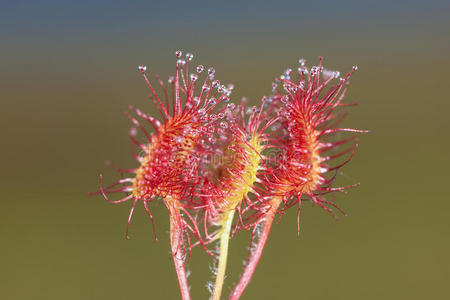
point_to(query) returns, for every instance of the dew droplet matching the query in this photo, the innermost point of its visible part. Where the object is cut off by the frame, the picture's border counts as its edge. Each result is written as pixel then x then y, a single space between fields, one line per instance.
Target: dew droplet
pixel 229 115
pixel 142 69
pixel 230 86
pixel 189 56
pixel 194 77
pixel 178 53
pixel 211 129
pixel 181 62
pixel 171 79
pixel 200 68
pixel 231 106
pixel 212 101
pixel 179 139
pixel 224 125
pixel 302 61
pixel 205 88
pixel 211 71
pixel 215 84
pixel 201 111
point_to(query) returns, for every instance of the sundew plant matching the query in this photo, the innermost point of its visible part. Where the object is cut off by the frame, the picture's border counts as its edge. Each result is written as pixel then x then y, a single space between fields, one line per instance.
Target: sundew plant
pixel 221 167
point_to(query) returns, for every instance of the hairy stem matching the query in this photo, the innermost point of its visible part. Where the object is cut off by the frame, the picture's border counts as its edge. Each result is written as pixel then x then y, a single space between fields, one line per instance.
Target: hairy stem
pixel 222 265
pixel 257 251
pixel 176 243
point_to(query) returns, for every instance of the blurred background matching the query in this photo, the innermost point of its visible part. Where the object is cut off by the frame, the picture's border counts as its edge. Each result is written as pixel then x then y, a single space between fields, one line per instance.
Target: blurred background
pixel 68 70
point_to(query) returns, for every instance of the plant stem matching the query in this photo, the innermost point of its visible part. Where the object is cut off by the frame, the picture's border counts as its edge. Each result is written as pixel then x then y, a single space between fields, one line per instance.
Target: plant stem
pixel 176 243
pixel 257 251
pixel 222 264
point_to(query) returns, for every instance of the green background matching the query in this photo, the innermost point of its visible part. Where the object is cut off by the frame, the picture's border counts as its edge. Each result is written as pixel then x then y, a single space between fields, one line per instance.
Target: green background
pixel 68 71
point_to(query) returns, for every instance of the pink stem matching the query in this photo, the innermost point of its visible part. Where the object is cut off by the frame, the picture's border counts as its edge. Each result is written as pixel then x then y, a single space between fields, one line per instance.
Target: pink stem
pixel 257 252
pixel 176 241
